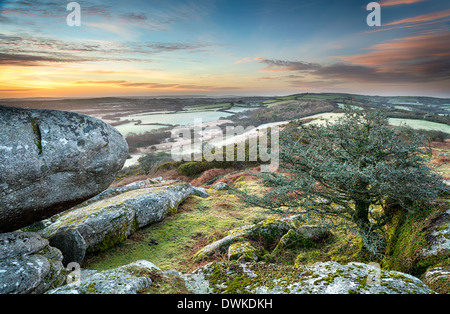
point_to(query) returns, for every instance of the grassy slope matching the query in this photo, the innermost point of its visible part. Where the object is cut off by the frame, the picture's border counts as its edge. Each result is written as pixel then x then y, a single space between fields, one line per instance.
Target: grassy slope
pixel 201 221
pixel 198 222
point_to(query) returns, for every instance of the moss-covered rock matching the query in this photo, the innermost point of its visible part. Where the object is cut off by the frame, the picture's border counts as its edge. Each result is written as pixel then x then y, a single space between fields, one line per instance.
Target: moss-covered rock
pixel 222 245
pixel 52 160
pixel 418 241
pixel 109 220
pixel 127 279
pixel 321 278
pixel 438 279
pixel 243 251
pixel 269 234
pixel 28 264
pixel 221 186
pixel 292 238
pixel 269 231
pixel 438 236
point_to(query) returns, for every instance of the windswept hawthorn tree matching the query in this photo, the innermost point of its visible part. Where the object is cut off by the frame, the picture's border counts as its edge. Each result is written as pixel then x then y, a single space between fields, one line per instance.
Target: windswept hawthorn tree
pixel 341 171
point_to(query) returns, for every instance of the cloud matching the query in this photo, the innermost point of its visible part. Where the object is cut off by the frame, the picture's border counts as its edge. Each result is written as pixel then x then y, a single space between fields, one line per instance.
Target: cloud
pixel 167 47
pixel 152 85
pixel 284 66
pixel 44 8
pixel 423 57
pixel 415 59
pixel 244 60
pixel 422 18
pixel 36 59
pixel 387 3
pixel 109 27
pixel 28 50
pixel 130 16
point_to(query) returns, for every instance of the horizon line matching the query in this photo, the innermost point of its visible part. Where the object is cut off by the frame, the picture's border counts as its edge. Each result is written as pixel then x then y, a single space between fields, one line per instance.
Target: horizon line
pixel 206 96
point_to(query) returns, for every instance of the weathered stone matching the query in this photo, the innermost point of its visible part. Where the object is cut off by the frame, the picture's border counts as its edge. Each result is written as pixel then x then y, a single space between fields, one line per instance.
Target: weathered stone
pixel 20 243
pixel 269 231
pixel 243 251
pixel 220 186
pixel 439 237
pixel 127 279
pixel 108 221
pixel 314 233
pixel 71 244
pixel 292 238
pixel 221 246
pixel 438 279
pixel 320 278
pixel 29 265
pixel 52 160
pixel 199 192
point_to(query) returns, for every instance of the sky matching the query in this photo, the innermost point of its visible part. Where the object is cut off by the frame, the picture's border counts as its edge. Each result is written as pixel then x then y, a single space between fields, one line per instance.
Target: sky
pixel 223 47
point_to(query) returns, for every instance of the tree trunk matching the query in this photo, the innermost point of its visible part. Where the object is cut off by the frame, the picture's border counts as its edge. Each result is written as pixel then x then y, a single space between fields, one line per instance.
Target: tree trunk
pixel 372 243
pixel 361 217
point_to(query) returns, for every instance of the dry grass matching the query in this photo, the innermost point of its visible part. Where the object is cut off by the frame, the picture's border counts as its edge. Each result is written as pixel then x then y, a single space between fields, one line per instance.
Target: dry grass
pixel 441 160
pixel 209 175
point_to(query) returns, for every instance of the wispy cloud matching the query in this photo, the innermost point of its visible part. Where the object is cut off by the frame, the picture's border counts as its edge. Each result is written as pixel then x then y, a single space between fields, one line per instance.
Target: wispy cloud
pixel 37 58
pixel 414 59
pixel 29 50
pixel 387 3
pixel 152 85
pixel 47 9
pixel 436 16
pixel 244 60
pixel 284 65
pixel 423 57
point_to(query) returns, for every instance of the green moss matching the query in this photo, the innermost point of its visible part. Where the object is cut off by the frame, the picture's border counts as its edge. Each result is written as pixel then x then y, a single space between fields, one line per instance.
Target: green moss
pixel 244 251
pixel 232 278
pixel 37 133
pixel 269 232
pixel 439 281
pixel 111 239
pixel 407 240
pixel 165 284
pixel 342 247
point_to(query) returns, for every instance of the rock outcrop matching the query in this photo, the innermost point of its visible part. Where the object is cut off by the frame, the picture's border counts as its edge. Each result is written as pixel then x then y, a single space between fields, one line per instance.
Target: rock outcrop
pixel 438 279
pixel 199 192
pixel 107 220
pixel 439 237
pixel 28 264
pixel 52 160
pixel 128 279
pixel 270 233
pixel 320 278
pixel 437 254
pixel 256 278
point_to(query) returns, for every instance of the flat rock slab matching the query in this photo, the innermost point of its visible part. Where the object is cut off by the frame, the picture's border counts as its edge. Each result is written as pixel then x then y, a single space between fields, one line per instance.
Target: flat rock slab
pixel 320 278
pixel 52 160
pixel 128 279
pixel 109 220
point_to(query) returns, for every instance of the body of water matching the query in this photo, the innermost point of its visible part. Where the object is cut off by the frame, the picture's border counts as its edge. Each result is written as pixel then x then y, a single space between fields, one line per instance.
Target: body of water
pixel 179 118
